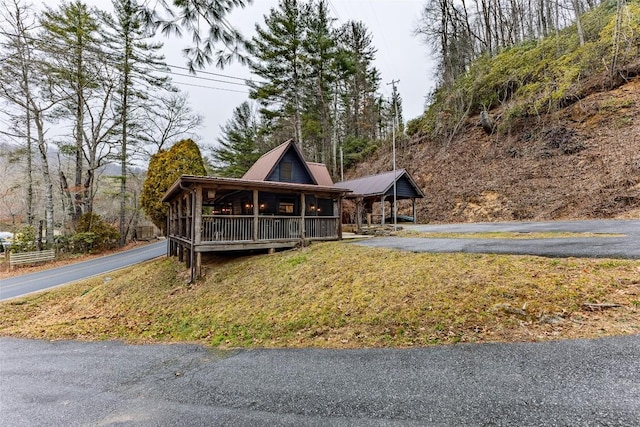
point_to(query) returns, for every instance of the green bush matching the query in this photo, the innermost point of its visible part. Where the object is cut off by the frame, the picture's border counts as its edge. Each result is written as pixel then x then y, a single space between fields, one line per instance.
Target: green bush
pixel 24 239
pixel 94 235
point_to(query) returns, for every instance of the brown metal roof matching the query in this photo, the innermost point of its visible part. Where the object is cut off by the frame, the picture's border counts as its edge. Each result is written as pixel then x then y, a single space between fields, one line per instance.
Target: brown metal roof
pixel 261 169
pixel 186 181
pixel 320 173
pixel 376 185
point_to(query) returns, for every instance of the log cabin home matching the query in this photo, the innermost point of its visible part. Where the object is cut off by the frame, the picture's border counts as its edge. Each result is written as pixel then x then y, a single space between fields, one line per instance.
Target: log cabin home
pixel 281 201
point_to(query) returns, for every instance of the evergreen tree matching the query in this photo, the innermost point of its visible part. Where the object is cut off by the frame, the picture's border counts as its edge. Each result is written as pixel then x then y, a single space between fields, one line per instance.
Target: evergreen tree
pixel 239 147
pixel 189 15
pixel 136 59
pixel 320 51
pixel 71 39
pixel 279 62
pixel 360 80
pixel 165 167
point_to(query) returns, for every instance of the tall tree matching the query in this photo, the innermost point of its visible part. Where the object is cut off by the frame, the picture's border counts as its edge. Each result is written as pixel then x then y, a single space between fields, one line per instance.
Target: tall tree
pixel 136 59
pixel 71 35
pixel 320 50
pixel 239 147
pixel 24 84
pixel 361 81
pixel 279 62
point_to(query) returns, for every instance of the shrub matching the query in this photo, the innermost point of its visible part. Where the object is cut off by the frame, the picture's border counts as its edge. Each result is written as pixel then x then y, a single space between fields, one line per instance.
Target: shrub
pixel 24 239
pixel 94 234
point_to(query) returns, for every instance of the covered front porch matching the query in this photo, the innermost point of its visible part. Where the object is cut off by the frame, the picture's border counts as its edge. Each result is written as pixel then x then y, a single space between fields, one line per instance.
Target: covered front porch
pixel 223 214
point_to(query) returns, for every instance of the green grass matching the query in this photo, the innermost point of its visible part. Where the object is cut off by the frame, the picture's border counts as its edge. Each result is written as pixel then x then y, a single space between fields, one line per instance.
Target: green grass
pixel 338 295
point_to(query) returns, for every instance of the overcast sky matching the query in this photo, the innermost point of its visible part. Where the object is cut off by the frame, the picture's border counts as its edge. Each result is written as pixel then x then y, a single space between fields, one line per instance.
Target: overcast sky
pixel 401 56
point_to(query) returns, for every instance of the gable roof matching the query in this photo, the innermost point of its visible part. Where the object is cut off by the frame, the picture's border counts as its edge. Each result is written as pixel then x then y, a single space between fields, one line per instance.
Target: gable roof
pixel 377 185
pixel 263 167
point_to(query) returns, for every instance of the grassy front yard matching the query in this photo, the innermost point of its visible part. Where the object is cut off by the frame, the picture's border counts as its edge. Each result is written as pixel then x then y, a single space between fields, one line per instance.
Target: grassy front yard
pixel 341 295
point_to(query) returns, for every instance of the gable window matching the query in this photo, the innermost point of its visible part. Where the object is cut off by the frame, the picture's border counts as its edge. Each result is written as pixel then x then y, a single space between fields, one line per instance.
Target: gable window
pixel 286 171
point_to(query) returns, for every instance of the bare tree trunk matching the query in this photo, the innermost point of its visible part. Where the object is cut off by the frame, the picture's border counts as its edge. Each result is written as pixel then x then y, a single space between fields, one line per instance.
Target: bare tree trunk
pixel 46 177
pixel 29 169
pixel 576 9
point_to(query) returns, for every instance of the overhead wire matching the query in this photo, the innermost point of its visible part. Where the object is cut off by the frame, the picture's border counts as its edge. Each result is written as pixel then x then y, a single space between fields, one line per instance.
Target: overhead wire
pixel 158 70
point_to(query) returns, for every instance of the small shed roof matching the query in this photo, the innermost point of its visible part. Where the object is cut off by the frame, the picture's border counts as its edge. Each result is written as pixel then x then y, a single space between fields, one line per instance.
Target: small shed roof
pixel 378 185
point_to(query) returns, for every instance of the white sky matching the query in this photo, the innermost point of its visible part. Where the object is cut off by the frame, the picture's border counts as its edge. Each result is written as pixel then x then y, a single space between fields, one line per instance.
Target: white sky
pixel 400 56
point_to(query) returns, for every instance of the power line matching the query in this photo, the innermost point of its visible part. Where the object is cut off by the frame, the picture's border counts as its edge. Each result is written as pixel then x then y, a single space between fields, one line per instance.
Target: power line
pixel 99 51
pixel 210 87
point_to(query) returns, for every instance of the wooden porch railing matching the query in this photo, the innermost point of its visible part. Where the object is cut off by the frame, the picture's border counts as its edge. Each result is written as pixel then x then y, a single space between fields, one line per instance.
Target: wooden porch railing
pixel 227 228
pixel 239 228
pixel 321 227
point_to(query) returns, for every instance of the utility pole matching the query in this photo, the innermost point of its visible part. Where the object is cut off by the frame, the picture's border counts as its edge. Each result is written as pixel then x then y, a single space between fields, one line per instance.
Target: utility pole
pixel 393 132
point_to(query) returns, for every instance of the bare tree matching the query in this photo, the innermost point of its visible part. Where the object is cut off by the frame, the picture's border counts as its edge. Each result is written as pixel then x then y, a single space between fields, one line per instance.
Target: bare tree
pixel 23 84
pixel 171 121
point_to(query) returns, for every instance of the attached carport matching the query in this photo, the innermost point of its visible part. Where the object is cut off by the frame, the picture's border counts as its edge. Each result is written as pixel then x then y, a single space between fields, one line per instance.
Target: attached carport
pixel 368 190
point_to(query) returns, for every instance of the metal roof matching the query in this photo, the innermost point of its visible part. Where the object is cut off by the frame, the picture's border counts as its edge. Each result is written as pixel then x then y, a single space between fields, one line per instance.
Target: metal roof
pixel 376 185
pixel 261 169
pixel 186 181
pixel 320 173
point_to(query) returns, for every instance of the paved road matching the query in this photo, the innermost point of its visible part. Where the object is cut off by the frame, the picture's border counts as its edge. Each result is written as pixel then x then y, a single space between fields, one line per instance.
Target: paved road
pixel 566 383
pixel 34 282
pixel 627 246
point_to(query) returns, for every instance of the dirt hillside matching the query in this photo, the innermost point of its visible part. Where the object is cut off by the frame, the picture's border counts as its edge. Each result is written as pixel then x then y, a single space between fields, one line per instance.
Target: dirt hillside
pixel 579 162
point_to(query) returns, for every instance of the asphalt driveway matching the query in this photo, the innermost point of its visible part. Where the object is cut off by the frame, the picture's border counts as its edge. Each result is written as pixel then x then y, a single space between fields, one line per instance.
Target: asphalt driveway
pixel 564 383
pixel 626 246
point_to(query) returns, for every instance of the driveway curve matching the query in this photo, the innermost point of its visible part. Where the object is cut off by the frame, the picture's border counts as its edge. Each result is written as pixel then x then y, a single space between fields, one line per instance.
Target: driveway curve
pixel 625 246
pixel 14 287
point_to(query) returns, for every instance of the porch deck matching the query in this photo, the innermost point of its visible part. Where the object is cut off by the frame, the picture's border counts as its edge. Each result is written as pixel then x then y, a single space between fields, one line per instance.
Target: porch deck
pixel 241 232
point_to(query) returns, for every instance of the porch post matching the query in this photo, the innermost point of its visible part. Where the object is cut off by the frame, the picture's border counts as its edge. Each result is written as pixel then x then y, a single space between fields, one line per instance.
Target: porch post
pixel 169 219
pixel 415 220
pixel 359 215
pixel 337 206
pixel 303 209
pixel 197 225
pixel 192 228
pixel 382 221
pixel 256 213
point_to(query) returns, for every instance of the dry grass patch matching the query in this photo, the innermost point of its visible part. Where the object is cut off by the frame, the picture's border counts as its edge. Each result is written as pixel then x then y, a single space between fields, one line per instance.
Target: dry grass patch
pixel 505 235
pixel 342 296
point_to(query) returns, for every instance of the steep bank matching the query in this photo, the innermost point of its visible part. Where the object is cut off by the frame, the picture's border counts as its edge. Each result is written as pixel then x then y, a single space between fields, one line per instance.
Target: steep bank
pixel 582 161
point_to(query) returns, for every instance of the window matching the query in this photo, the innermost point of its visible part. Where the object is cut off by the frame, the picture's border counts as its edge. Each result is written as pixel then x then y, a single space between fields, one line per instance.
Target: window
pixel 286 171
pixel 285 207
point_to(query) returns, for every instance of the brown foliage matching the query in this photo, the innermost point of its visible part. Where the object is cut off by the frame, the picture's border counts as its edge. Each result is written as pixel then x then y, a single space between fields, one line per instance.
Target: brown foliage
pixel 579 162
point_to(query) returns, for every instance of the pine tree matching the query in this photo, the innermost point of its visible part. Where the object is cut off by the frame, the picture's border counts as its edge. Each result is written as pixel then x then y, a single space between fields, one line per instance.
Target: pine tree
pixel 71 39
pixel 320 52
pixel 239 147
pixel 207 23
pixel 278 60
pixel 136 59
